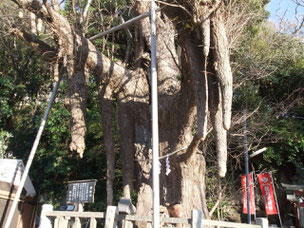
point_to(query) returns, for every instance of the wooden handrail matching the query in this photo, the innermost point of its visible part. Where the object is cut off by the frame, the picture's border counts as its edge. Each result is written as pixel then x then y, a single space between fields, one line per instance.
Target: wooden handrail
pixel 188 221
pixel 75 214
pixel 111 217
pixel 228 224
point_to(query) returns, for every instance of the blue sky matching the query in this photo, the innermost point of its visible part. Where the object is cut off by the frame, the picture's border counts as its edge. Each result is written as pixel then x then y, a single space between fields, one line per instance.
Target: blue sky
pixel 277 8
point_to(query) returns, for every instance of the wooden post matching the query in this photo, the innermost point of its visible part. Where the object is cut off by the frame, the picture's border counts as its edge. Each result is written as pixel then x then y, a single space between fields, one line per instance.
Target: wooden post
pixel 125 207
pixel 93 222
pixel 76 223
pixel 61 222
pixel 111 217
pixel 263 222
pixel 196 218
pixel 56 222
pixel 45 222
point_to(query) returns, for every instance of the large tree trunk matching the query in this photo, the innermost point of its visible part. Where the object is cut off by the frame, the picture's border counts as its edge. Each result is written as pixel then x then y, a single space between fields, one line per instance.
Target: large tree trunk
pixel 186 182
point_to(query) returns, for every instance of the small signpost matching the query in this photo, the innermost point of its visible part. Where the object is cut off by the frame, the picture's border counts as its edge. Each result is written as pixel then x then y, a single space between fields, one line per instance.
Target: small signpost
pixel 81 191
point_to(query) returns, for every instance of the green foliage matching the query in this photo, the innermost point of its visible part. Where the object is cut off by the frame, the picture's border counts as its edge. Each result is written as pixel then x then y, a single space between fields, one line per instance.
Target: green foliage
pixel 225 188
pixel 270 78
pixel 4 137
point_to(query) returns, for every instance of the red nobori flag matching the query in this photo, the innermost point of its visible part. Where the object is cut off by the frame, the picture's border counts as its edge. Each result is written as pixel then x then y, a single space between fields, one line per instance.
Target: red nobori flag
pixel 267 192
pixel 252 203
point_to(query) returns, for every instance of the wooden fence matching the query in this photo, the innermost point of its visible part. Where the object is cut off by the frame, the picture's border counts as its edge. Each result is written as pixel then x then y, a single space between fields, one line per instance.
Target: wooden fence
pixel 111 218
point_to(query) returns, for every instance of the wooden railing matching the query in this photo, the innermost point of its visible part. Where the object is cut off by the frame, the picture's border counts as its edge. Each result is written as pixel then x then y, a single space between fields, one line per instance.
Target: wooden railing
pixel 63 219
pixel 110 219
pixel 190 222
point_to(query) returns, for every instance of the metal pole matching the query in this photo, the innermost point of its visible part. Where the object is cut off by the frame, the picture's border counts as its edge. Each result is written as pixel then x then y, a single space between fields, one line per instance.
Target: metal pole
pixel 247 169
pixel 253 189
pixel 155 136
pixel 31 156
pixel 258 152
pixel 124 25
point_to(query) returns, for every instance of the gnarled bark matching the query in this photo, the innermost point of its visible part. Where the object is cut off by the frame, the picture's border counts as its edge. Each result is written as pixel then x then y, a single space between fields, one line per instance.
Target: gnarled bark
pixel 222 65
pixel 106 104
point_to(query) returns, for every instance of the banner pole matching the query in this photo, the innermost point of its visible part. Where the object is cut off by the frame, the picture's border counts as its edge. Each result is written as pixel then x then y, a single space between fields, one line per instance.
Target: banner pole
pixel 246 158
pixel 276 199
pixel 253 192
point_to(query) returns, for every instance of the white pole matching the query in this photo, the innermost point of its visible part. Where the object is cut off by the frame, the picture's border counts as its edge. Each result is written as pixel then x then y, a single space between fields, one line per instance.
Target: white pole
pixel 31 157
pixel 155 137
pixel 258 152
pixel 247 169
pixel 121 26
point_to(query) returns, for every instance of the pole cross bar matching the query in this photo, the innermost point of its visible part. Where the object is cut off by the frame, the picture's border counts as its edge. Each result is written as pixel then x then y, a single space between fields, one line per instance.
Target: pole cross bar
pixel 123 25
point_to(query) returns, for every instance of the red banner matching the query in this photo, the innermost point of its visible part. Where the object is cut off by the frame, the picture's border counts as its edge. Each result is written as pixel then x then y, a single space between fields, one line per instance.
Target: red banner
pixel 267 192
pixel 252 203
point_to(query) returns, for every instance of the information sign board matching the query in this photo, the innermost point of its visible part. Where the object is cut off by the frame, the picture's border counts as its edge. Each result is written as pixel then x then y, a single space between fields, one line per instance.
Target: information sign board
pixel 81 191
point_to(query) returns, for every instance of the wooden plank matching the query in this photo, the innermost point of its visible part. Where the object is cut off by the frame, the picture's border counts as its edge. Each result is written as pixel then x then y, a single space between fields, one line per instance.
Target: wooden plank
pixel 93 223
pixel 94 215
pixel 111 217
pixel 75 214
pixel 135 218
pixel 228 224
pixel 188 221
pixel 56 222
pixel 293 186
pixel 63 222
pixel 176 220
pixel 149 219
pixel 10 196
pixel 76 224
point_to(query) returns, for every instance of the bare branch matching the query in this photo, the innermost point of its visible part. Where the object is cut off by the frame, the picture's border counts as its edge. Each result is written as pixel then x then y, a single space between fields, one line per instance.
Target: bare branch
pixel 84 15
pixel 55 5
pixel 177 5
pixel 47 51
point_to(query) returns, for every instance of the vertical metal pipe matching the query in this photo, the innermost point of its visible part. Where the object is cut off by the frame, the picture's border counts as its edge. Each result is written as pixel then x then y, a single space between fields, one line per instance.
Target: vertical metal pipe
pixel 246 158
pixel 155 135
pixel 31 156
pixel 253 189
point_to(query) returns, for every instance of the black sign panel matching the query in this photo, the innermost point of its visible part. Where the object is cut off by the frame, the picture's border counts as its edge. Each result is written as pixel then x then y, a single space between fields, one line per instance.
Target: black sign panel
pixel 81 191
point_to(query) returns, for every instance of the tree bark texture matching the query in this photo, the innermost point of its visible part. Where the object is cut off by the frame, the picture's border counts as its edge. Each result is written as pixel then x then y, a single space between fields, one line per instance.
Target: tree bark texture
pixel 106 103
pixel 194 84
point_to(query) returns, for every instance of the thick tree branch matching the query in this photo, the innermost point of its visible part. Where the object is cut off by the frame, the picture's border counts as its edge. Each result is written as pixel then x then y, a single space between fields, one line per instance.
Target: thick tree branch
pixel 216 114
pixel 48 52
pixel 195 55
pixel 106 107
pixel 222 65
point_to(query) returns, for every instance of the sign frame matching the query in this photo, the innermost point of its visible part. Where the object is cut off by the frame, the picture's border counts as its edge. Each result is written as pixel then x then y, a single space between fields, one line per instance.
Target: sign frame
pixel 81 191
